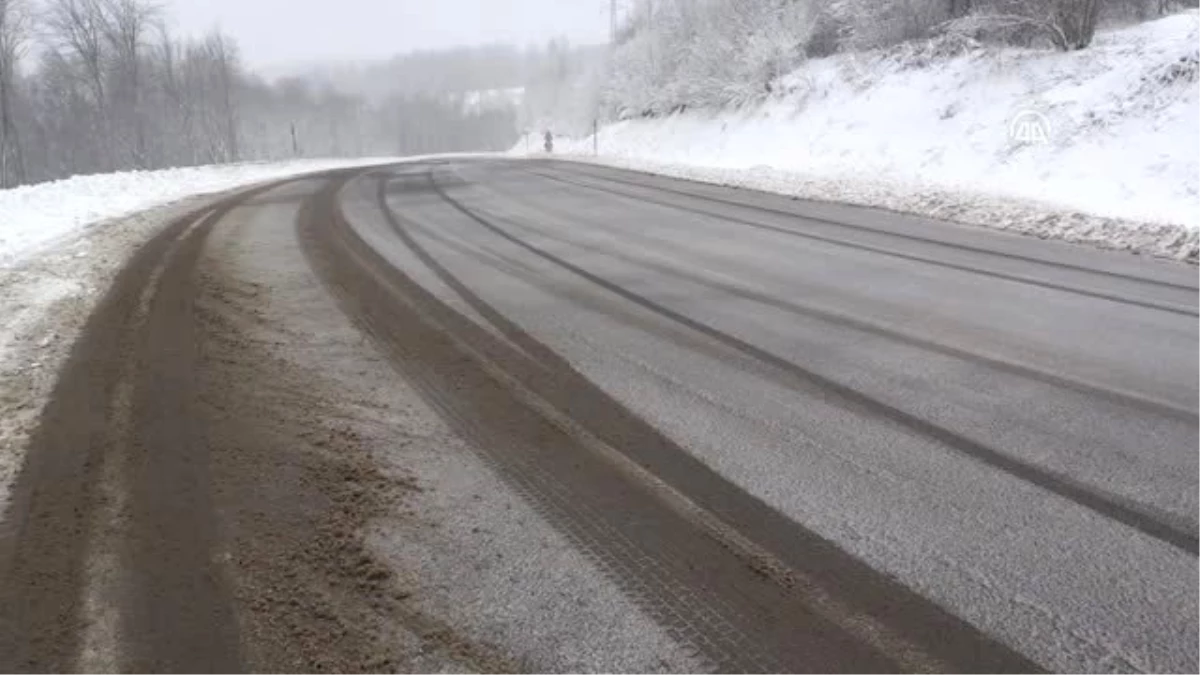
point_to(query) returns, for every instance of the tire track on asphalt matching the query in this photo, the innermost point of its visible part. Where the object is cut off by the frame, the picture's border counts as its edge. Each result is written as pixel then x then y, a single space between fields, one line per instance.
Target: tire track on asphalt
pixel 107 576
pixel 46 540
pixel 117 436
pixel 831 317
pixel 710 585
pixel 177 608
pixel 615 310
pixel 713 624
pixel 427 343
pixel 1110 506
pixel 873 230
pixel 812 236
pixel 677 335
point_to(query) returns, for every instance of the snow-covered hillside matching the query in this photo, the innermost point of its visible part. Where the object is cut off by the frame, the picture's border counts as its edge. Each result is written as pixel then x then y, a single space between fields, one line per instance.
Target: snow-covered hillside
pixel 1099 145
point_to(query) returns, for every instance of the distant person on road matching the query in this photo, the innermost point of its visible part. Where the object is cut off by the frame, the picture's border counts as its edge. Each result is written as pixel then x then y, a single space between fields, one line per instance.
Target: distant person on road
pixel 549 142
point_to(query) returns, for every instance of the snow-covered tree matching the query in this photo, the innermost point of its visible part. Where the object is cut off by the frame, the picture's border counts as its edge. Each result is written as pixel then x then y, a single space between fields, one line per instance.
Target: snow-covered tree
pixel 1067 24
pixel 126 26
pixel 706 52
pixel 869 24
pixel 673 54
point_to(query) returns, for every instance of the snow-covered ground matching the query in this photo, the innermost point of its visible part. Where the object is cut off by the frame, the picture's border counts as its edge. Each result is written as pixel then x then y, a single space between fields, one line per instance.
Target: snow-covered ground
pixel 61 243
pixel 35 217
pixel 1100 145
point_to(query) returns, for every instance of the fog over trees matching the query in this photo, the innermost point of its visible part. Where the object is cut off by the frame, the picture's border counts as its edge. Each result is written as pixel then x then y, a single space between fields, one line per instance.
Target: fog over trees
pixel 90 86
pixel 102 85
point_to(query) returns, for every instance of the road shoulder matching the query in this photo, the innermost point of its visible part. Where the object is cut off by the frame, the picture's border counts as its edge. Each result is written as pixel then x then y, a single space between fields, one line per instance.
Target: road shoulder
pixel 361 532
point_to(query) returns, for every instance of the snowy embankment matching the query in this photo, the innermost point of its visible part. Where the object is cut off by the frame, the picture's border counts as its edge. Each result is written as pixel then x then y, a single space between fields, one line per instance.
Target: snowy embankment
pixel 1098 146
pixel 34 217
pixel 61 244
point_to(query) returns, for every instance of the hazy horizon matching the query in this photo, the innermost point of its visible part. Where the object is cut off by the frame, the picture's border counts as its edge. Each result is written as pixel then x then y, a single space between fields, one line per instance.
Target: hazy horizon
pixel 275 34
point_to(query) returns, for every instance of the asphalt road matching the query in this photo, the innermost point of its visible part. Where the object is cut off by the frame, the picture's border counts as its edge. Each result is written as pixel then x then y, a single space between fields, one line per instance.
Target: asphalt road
pixel 801 437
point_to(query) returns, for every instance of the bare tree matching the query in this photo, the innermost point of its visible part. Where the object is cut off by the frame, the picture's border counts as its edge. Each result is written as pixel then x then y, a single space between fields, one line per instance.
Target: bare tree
pixel 125 26
pixel 110 88
pixel 1077 21
pixel 868 24
pixel 1067 24
pixel 219 70
pixel 77 28
pixel 14 27
pixel 176 109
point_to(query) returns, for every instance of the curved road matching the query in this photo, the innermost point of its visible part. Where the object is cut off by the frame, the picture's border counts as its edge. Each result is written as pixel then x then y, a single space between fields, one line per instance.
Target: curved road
pixel 799 436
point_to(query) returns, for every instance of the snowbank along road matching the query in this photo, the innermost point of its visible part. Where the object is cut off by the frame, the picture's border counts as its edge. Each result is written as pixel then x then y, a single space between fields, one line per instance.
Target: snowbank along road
pixel 767 435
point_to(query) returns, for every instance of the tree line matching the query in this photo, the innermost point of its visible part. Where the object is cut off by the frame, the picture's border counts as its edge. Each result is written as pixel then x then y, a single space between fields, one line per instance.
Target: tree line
pixel 91 86
pixel 671 54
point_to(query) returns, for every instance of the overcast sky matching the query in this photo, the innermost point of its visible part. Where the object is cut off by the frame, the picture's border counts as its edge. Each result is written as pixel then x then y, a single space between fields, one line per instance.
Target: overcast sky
pixel 282 32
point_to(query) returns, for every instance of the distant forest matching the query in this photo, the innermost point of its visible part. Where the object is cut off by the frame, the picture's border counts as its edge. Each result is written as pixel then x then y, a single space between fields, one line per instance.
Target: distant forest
pixel 91 86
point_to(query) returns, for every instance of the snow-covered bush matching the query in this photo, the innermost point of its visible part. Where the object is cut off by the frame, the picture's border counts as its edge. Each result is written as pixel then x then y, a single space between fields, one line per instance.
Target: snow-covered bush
pixel 1066 24
pixel 871 24
pixel 923 53
pixel 671 55
pixel 706 53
